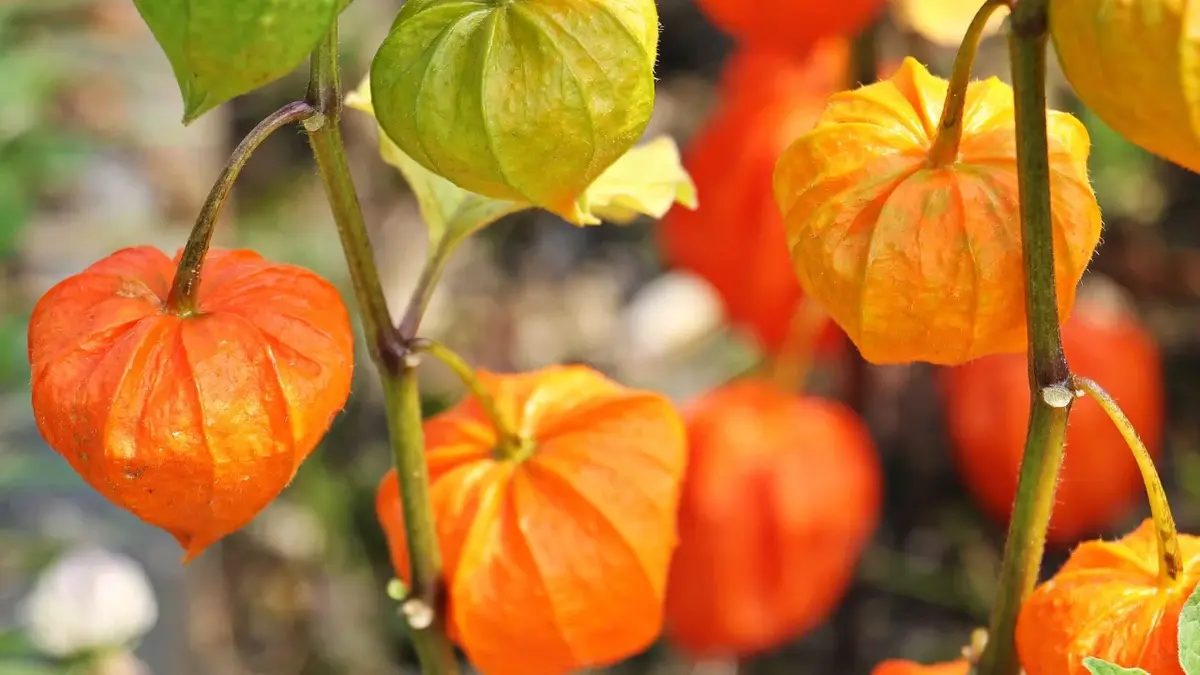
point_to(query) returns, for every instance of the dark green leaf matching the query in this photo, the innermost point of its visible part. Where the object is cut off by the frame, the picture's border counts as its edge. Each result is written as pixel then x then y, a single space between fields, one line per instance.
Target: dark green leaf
pixel 220 49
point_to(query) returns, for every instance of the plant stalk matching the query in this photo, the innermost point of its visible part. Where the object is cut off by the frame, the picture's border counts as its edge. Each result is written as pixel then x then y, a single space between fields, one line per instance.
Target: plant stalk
pixel 396 365
pixel 431 274
pixel 509 445
pixel 1049 375
pixel 945 145
pixel 182 298
pixel 1170 559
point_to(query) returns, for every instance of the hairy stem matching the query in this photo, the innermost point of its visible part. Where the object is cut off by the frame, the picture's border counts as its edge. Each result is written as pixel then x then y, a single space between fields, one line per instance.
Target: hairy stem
pixel 949 134
pixel 1050 400
pixel 182 298
pixel 1170 560
pixel 395 363
pixel 509 445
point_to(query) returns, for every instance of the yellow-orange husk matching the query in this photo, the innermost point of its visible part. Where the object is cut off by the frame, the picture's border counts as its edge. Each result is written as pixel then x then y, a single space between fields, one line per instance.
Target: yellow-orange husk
pixel 918 262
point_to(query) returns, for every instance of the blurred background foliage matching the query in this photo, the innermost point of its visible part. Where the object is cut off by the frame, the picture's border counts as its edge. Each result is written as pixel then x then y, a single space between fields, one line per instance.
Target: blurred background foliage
pixel 92 158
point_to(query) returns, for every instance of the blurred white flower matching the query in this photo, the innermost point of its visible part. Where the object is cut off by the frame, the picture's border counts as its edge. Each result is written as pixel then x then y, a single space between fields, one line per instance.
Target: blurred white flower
pixel 668 315
pixel 89 599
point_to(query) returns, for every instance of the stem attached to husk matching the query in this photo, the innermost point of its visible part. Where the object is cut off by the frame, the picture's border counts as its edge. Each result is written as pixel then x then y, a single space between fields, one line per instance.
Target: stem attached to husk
pixel 509 445
pixel 1049 374
pixel 424 606
pixel 949 133
pixel 1170 559
pixel 182 298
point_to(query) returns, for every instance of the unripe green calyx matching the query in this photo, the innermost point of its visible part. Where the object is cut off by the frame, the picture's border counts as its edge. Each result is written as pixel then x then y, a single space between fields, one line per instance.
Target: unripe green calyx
pixel 524 100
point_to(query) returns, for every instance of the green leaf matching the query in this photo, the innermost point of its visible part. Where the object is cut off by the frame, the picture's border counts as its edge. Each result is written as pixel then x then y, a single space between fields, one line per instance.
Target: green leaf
pixel 1097 666
pixel 647 180
pixel 1189 634
pixel 450 212
pixel 220 49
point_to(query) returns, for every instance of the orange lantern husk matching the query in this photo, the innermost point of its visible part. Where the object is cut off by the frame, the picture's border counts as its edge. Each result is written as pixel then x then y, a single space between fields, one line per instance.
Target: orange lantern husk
pixel 781 497
pixel 902 667
pixel 1109 601
pixel 555 557
pixel 987 410
pixel 789 24
pixel 916 254
pixel 735 239
pixel 193 424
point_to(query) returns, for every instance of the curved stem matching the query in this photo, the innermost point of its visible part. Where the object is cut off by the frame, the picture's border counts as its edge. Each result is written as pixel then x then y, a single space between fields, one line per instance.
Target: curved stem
pixel 1169 557
pixel 424 607
pixel 182 298
pixel 945 146
pixel 790 367
pixel 509 444
pixel 1049 374
pixel 427 283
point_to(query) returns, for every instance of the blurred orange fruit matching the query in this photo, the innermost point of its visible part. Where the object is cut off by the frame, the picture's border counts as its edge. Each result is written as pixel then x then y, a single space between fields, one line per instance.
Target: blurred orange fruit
pixel 987 409
pixel 735 238
pixel 901 667
pixel 789 24
pixel 781 497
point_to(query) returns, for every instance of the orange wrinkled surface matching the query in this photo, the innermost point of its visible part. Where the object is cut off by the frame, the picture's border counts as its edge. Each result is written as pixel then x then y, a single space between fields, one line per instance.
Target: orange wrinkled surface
pixel 789 24
pixel 923 263
pixel 1106 602
pixel 901 667
pixel 557 562
pixel 987 409
pixel 735 238
pixel 781 496
pixel 193 424
pixel 1136 65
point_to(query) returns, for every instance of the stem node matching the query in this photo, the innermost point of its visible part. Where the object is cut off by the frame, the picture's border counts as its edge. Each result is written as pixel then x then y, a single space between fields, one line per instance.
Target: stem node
pixel 1058 396
pixel 394 361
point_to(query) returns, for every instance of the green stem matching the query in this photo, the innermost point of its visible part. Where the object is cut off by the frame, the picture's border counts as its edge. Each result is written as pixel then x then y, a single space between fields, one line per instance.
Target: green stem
pixel 1048 371
pixel 945 146
pixel 1170 560
pixel 431 274
pixel 182 298
pixel 395 363
pixel 509 444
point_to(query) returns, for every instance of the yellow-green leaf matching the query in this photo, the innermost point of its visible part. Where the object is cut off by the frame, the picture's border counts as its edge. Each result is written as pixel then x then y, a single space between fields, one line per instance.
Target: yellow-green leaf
pixel 647 180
